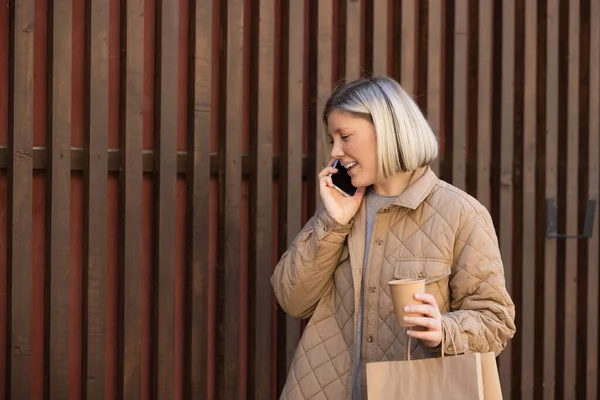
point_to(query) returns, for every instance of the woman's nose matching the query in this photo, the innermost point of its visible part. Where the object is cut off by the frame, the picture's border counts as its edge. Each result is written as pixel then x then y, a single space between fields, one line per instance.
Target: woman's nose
pixel 336 150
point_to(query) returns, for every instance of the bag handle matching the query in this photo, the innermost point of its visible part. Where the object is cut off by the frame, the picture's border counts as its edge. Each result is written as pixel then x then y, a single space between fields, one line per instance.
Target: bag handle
pixel 444 329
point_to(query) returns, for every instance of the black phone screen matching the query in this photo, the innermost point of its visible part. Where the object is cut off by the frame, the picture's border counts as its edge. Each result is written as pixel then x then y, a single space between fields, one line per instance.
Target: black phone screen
pixel 342 180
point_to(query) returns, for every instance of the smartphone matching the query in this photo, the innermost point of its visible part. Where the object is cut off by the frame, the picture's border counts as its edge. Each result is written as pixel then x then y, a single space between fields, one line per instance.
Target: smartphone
pixel 342 181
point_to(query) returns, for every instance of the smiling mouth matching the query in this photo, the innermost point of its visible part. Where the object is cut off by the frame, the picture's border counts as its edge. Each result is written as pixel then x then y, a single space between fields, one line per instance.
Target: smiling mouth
pixel 351 165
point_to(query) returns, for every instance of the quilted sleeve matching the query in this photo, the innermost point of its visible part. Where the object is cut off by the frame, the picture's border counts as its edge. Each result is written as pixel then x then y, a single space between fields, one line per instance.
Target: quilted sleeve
pixel 482 317
pixel 305 272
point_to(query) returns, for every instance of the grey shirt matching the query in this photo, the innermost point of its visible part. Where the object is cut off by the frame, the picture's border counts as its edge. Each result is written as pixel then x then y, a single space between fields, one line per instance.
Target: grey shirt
pixel 374 202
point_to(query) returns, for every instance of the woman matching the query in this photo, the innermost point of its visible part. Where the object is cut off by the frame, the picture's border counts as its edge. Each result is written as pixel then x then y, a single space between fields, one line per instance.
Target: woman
pixel 402 222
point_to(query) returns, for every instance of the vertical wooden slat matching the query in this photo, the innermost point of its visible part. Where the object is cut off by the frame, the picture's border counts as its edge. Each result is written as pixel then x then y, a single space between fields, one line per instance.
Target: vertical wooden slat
pixel 96 180
pixel 353 24
pixel 408 56
pixel 472 156
pixel 313 134
pixel 150 127
pixel 572 225
pixel 434 72
pixel 484 102
pixel 38 269
pixel 394 49
pixel 324 82
pixel 459 130
pixel 165 165
pixel 198 206
pixel 540 197
pixel 367 23
pixel 5 68
pixel 447 105
pixel 115 125
pixel 528 196
pixel 20 202
pixel 60 196
pixel 518 193
pixel 184 125
pixel 550 264
pixel 594 193
pixel 293 149
pixel 380 36
pixel 261 209
pixel 131 190
pixel 230 199
pixel 506 171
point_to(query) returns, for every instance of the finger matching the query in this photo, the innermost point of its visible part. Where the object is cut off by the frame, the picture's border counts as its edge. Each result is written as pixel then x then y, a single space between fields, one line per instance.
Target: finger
pixel 429 336
pixel 424 309
pixel 328 170
pixel 428 323
pixel 426 298
pixel 326 182
pixel 331 162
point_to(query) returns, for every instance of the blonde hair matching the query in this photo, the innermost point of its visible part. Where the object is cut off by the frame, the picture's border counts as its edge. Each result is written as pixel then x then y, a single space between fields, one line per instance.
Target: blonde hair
pixel 405 141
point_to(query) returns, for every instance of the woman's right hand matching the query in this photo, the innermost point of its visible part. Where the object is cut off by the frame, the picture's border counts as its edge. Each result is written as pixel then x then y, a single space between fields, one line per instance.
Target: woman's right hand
pixel 340 207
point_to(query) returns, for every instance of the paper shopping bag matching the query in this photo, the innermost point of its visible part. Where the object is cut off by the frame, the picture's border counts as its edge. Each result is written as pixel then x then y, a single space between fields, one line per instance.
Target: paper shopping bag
pixel 448 378
pixel 491 379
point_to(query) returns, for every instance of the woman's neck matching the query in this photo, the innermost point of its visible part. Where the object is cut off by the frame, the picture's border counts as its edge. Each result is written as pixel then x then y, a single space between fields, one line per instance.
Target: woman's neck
pixel 394 185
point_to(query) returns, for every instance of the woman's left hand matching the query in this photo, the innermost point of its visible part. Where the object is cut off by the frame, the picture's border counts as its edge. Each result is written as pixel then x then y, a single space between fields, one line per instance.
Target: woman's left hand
pixel 429 325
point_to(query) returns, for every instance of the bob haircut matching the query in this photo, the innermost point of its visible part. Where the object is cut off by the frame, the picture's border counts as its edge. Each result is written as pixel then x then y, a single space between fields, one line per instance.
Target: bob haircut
pixel 405 141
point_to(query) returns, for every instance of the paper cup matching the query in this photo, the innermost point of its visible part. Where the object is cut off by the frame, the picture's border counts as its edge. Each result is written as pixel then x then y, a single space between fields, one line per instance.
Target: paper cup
pixel 403 294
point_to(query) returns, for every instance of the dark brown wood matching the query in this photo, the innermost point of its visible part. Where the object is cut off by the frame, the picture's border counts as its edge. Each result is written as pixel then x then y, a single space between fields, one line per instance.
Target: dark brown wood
pixel 165 217
pixel 261 200
pixel 5 93
pixel 313 128
pixel 59 191
pixel 20 204
pixel 506 172
pixel 230 200
pixel 367 25
pixel 422 54
pixel 198 206
pixel 594 192
pixel 447 113
pixel 569 190
pixel 130 204
pixel 583 195
pixel 472 100
pixel 561 258
pixel 518 386
pixel 540 196
pixel 96 188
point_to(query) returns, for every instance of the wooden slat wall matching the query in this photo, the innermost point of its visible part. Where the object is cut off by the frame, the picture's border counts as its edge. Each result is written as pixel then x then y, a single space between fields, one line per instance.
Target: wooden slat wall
pixel 157 158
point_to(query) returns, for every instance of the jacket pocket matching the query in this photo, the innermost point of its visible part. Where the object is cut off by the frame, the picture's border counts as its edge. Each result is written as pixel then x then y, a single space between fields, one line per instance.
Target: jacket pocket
pixel 430 270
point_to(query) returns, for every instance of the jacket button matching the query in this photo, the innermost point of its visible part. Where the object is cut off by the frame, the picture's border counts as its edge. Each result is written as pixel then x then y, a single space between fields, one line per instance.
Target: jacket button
pixel 421 274
pixel 370 339
pixel 372 289
pixel 379 242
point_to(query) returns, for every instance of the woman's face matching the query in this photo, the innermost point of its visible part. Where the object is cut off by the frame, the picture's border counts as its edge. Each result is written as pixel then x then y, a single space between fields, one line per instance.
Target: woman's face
pixel 354 143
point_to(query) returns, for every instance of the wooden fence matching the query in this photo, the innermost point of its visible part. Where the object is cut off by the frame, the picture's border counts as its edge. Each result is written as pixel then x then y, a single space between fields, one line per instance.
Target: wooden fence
pixel 157 156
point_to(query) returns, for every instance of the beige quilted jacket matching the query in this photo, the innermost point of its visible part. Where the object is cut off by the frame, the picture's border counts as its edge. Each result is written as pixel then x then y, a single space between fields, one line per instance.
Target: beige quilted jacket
pixel 434 231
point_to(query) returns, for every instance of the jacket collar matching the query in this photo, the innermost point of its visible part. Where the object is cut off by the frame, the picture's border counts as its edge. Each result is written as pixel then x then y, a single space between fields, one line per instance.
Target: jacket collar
pixel 419 187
